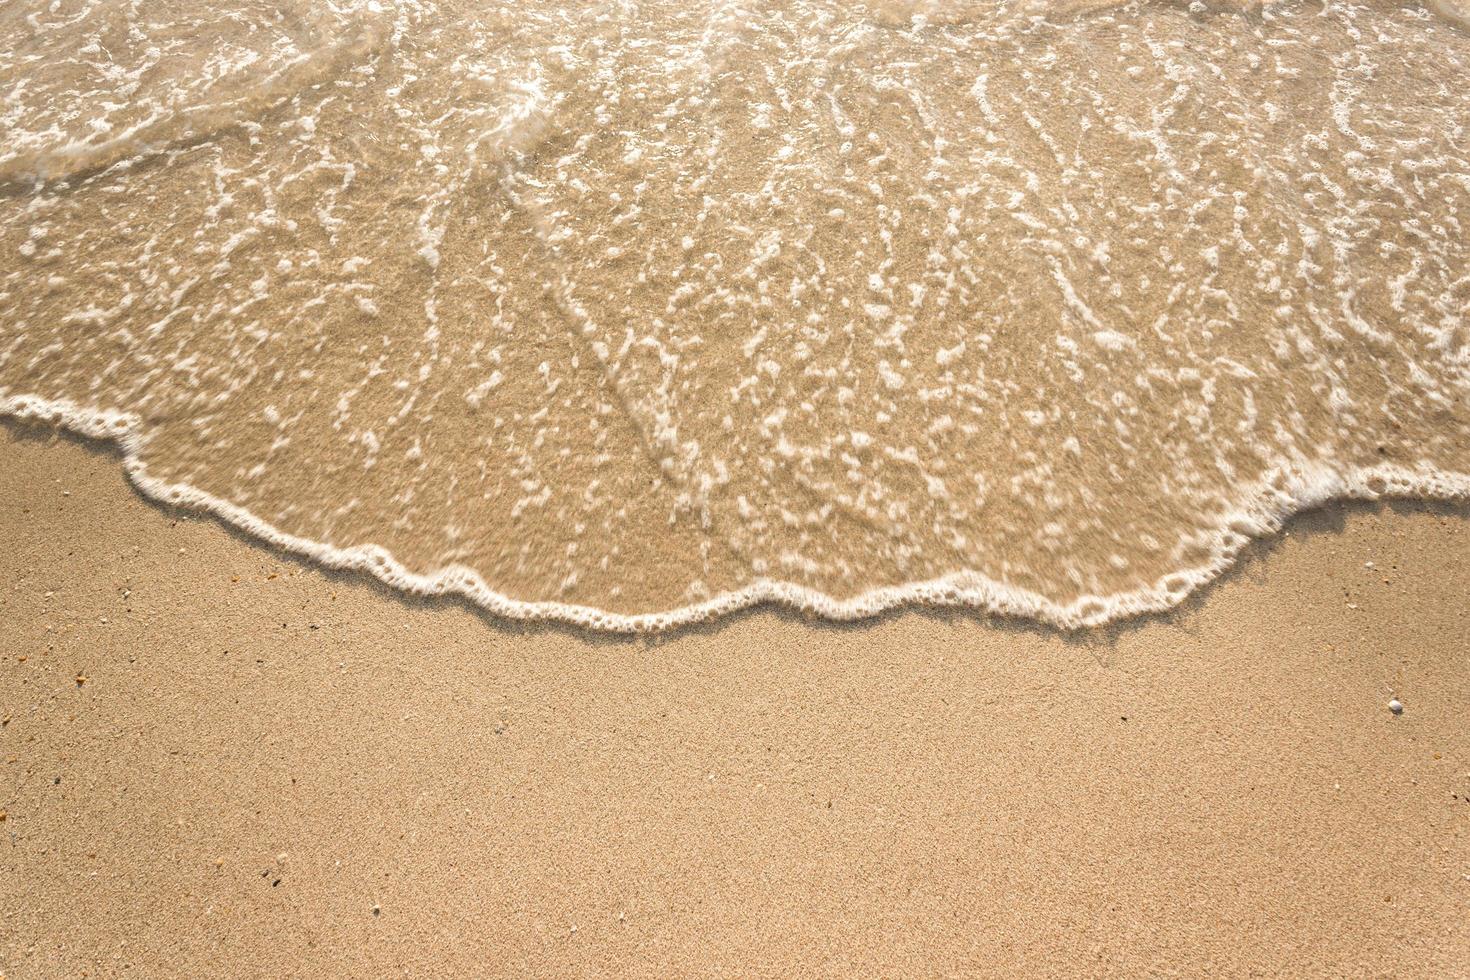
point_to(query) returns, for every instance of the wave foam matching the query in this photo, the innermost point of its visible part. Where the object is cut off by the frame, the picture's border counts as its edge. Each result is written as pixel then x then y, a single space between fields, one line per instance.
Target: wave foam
pixel 1265 507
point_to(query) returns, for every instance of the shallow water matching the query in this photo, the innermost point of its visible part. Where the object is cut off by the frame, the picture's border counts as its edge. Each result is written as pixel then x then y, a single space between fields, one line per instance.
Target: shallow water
pixel 632 313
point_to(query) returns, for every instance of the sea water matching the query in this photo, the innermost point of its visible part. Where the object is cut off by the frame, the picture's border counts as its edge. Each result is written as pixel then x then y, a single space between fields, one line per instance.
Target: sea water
pixel 633 313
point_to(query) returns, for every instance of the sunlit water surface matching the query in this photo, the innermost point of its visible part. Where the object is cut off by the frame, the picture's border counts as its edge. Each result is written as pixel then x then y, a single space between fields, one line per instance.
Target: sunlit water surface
pixel 634 312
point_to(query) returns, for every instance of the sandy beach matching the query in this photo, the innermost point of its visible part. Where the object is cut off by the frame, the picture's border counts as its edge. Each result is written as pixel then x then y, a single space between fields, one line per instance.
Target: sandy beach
pixel 220 760
pixel 802 488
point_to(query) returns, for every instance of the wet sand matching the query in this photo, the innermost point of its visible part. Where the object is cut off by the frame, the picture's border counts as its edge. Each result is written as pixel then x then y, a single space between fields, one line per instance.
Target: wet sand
pixel 1041 306
pixel 220 760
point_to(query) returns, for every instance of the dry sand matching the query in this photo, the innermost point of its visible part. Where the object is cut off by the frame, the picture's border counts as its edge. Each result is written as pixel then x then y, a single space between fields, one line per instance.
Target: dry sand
pixel 218 760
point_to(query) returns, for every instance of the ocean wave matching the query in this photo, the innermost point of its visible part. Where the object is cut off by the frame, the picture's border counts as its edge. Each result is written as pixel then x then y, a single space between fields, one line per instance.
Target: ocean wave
pixel 1263 510
pixel 631 321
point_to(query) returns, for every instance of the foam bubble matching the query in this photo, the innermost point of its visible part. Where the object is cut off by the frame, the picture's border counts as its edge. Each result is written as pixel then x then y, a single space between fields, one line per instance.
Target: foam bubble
pixel 1042 309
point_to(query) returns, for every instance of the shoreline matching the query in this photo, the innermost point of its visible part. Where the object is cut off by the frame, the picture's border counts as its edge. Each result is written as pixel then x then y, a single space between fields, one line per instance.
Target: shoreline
pixel 1272 503
pixel 217 754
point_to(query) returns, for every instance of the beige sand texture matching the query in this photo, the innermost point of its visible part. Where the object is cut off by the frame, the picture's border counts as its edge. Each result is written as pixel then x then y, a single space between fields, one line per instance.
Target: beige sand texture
pixel 221 761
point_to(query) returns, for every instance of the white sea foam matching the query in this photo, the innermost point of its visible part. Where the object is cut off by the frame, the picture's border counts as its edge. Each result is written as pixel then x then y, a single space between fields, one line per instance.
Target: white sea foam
pixel 1041 308
pixel 1263 510
pixel 251 82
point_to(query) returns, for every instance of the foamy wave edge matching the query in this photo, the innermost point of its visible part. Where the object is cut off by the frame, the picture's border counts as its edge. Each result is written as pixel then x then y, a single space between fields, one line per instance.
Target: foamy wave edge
pixel 1269 504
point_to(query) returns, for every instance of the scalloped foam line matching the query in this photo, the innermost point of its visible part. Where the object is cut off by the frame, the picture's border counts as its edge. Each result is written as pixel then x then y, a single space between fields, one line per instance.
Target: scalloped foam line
pixel 1285 492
